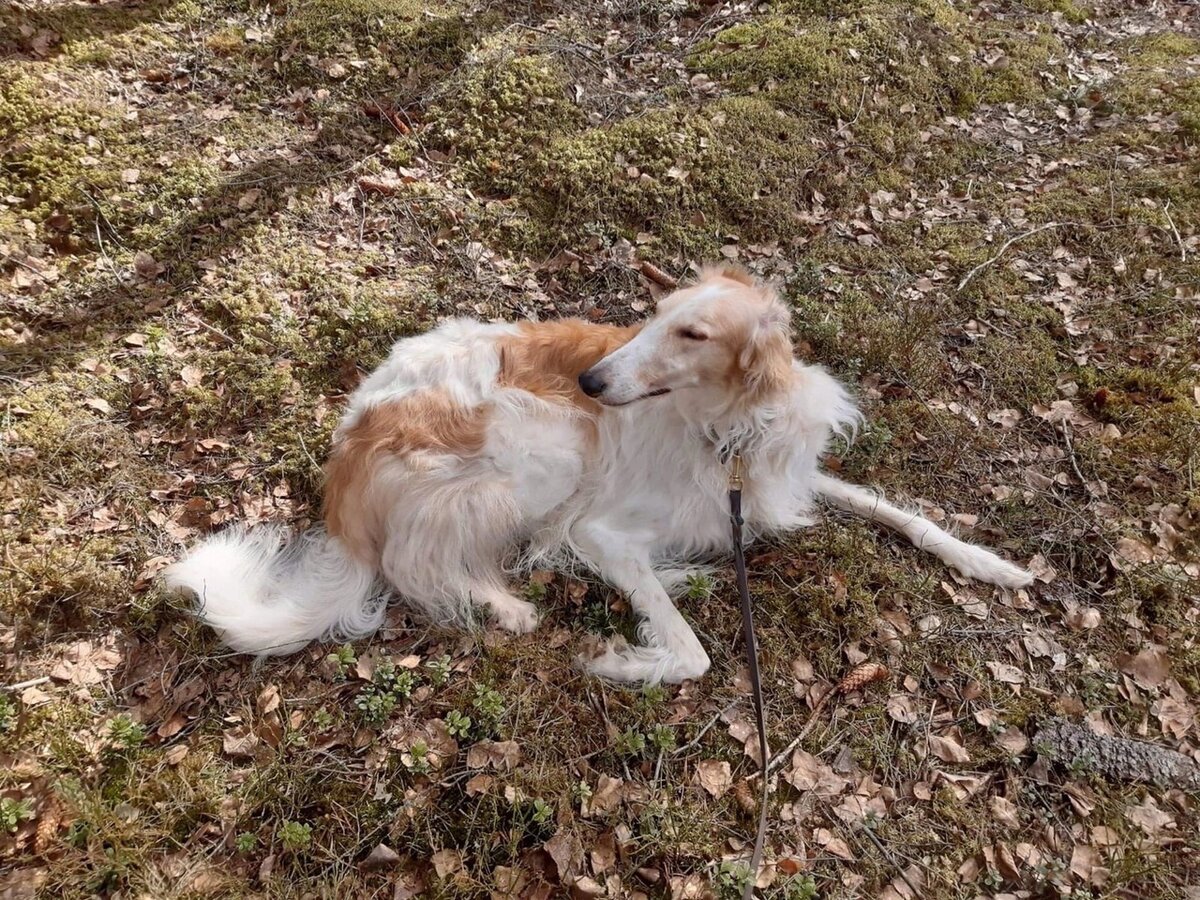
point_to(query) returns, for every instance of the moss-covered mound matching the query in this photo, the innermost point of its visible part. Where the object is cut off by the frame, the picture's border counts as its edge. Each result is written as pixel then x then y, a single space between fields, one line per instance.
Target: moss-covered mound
pixel 374 45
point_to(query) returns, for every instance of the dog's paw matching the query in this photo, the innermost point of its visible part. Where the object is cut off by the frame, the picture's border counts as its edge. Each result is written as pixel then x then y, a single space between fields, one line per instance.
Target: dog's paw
pixel 984 565
pixel 517 616
pixel 618 661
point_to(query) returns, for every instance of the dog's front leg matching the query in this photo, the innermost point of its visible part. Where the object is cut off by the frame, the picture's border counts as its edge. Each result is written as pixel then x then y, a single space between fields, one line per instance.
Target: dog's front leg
pixel 670 651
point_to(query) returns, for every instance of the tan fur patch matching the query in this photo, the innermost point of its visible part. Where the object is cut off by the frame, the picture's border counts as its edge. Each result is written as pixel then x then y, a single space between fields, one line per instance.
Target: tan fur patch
pixel 547 358
pixel 429 421
pixel 730 272
pixel 760 348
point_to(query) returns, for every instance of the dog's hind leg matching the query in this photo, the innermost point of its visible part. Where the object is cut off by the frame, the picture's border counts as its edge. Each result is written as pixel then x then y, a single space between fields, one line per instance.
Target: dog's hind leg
pixel 671 651
pixel 445 549
pixel 974 562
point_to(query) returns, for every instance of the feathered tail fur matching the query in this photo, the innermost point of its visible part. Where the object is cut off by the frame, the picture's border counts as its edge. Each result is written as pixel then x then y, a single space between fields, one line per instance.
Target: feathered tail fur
pixel 268 599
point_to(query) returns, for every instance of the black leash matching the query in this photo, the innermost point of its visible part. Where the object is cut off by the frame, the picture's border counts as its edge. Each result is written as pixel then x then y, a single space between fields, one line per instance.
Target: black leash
pixel 739 565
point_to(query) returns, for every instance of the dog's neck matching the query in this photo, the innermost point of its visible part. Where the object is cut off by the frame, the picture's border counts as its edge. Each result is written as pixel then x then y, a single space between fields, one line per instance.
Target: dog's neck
pixel 742 430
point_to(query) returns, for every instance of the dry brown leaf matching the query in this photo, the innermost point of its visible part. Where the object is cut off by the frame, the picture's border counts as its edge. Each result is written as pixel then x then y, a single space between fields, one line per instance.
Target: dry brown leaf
pixel 607 795
pixel 567 852
pixel 503 756
pixel 715 776
pixel 1149 668
pixel 1087 865
pixel 1005 812
pixel 479 784
pixel 947 749
pixel 239 742
pixel 1005 673
pixel 808 773
pixel 833 844
pixel 1149 817
pixel 903 708
pixel 1175 716
pixel 1012 741
pixel 382 857
pixel 447 863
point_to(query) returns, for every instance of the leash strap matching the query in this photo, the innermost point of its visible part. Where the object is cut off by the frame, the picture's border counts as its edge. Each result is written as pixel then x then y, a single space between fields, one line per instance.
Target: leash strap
pixel 739 564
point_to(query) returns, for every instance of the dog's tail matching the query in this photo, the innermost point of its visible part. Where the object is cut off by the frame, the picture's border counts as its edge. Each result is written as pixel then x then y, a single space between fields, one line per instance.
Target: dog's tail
pixel 973 561
pixel 270 600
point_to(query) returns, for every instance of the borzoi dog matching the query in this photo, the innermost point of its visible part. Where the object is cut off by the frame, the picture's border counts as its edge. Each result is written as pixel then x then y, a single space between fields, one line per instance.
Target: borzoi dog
pixel 563 442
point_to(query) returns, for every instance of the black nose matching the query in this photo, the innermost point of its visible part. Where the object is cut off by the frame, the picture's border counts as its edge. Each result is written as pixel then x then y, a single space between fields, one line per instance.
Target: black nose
pixel 592 384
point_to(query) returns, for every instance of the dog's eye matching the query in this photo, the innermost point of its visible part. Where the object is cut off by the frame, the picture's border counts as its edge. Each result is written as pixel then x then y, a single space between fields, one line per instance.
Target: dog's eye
pixel 692 334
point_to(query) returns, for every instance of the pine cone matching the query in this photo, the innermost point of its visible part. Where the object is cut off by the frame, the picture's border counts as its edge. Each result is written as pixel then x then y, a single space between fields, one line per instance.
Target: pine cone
pixel 658 276
pixel 862 675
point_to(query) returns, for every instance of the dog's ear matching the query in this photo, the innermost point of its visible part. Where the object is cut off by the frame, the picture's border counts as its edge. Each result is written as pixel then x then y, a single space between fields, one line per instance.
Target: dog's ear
pixel 766 359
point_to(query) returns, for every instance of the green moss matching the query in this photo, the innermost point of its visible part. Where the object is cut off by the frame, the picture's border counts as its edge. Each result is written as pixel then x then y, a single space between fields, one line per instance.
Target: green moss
pixel 497 114
pixel 1163 49
pixel 51 149
pixel 682 176
pixel 1157 79
pixel 927 56
pixel 1073 12
pixel 90 34
pixel 372 41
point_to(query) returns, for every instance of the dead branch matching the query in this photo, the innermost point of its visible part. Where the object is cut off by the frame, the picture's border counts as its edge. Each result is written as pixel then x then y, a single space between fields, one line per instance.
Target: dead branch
pixel 1004 249
pixel 1117 758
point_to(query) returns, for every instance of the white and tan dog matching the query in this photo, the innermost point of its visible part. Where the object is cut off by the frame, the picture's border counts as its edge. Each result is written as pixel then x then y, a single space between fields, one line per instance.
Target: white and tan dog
pixel 567 442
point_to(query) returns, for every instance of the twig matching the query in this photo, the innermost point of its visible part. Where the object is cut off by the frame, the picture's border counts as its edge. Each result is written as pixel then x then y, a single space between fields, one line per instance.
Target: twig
pixel 21 685
pixel 1012 240
pixel 856 679
pixel 703 731
pixel 1071 454
pixel 888 856
pixel 211 329
pixel 1175 231
pixel 783 754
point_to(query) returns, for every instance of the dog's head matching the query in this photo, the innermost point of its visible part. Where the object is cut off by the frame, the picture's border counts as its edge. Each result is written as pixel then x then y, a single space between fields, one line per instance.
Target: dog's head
pixel 723 340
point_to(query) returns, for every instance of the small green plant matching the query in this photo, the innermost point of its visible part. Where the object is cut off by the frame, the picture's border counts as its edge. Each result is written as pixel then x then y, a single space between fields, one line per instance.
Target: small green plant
pixel 652 696
pixel 245 842
pixel 8 714
pixel 732 878
pixel 417 758
pixel 535 591
pixel 800 887
pixel 14 812
pixel 1082 765
pixel 295 836
pixel 597 618
pixel 375 705
pixel 663 737
pixel 699 586
pixel 489 705
pixel 439 670
pixel 631 742
pixel 342 659
pixel 581 791
pixel 543 812
pixel 322 719
pixel 457 724
pixel 389 685
pixel 125 733
pixel 394 681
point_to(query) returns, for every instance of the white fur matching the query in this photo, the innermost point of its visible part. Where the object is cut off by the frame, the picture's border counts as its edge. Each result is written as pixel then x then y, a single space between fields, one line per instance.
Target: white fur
pixel 649 494
pixel 267 601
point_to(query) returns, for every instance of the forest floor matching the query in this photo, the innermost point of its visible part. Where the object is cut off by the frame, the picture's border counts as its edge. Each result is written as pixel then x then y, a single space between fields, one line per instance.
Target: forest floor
pixel 216 216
